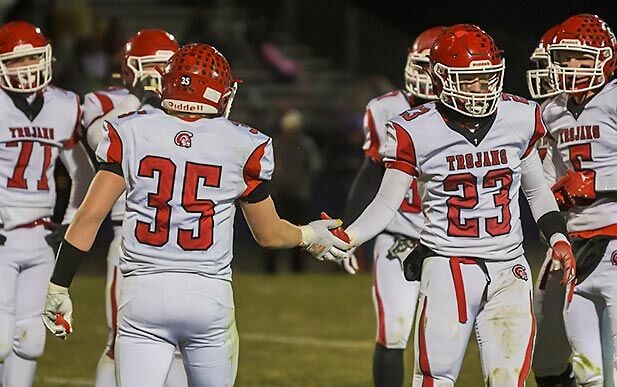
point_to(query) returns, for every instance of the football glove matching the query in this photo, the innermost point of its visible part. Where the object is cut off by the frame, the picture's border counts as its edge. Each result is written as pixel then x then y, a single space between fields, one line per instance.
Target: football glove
pixel 562 253
pixel 575 189
pixel 58 311
pixel 322 239
pixel 351 264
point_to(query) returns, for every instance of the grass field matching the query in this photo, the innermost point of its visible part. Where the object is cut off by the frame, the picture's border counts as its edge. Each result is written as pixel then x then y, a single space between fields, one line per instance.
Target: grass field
pixel 295 330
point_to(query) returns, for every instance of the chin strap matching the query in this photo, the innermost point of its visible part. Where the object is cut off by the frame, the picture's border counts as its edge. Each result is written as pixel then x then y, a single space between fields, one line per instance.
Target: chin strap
pixel 234 89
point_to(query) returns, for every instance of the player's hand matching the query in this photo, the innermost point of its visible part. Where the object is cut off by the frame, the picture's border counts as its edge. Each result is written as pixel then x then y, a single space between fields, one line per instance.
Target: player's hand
pixel 56 236
pixel 351 264
pixel 58 311
pixel 575 189
pixel 323 239
pixel 562 253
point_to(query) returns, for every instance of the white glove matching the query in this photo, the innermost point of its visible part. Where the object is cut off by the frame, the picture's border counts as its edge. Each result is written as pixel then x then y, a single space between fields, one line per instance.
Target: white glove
pixel 351 264
pixel 58 312
pixel 318 240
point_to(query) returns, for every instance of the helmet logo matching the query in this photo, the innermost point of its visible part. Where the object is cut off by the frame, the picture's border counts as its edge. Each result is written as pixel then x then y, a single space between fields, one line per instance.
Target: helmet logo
pixel 185 80
pixel 183 139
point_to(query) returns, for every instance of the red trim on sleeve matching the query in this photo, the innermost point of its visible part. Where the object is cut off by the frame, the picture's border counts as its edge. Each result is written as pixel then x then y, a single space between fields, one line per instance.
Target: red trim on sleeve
pixel 538 133
pixel 381 319
pixel 373 150
pixel 114 152
pixel 252 169
pixel 522 376
pixel 425 367
pixel 106 103
pixel 74 139
pixel 405 152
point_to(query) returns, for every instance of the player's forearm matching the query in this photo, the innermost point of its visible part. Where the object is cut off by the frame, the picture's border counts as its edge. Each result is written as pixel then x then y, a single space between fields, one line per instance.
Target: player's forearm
pixel 382 209
pixel 541 200
pixel 282 235
pixel 363 190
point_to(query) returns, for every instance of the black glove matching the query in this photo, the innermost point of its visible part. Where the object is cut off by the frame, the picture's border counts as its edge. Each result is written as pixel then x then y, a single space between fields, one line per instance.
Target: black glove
pixel 145 90
pixel 56 236
pixel 412 266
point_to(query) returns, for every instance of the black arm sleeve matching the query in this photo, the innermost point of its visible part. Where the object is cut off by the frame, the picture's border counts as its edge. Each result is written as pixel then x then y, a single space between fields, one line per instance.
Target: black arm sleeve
pixel 363 189
pixel 111 167
pixel 68 261
pixel 260 193
pixel 552 223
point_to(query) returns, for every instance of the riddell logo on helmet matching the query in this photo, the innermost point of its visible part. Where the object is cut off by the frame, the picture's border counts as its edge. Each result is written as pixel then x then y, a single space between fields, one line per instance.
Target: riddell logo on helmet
pixel 184 106
pixel 183 139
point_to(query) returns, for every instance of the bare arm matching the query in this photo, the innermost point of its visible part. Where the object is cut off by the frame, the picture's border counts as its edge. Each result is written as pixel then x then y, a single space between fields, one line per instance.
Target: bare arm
pixel 267 228
pixel 105 189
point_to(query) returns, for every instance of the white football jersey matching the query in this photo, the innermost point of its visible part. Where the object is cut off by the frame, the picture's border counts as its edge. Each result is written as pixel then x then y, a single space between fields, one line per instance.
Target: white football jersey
pixel 408 219
pixel 29 148
pixel 183 179
pixel 587 142
pixel 471 181
pixel 96 105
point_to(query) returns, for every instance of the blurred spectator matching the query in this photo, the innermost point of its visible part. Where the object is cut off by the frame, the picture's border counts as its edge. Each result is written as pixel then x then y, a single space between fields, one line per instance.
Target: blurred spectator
pixel 297 161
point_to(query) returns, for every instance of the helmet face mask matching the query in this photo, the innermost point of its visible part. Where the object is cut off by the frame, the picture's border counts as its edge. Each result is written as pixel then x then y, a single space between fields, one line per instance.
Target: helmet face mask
pixel 25 58
pixel 582 54
pixel 575 68
pixel 143 53
pixel 539 81
pixel 471 91
pixel 145 67
pixel 418 81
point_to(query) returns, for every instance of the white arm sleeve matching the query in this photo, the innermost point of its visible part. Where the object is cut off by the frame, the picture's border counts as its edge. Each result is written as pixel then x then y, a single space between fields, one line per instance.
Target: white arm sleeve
pixel 535 186
pixel 95 130
pixel 379 213
pixel 81 171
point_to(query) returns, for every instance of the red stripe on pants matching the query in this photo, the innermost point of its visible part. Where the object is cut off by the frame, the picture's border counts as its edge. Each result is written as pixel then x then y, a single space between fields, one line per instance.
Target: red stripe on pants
pixel 425 368
pixel 114 313
pixel 527 362
pixel 381 321
pixel 459 286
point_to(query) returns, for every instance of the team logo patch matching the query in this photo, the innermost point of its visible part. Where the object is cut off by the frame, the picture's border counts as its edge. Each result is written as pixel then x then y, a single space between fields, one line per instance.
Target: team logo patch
pixel 183 138
pixel 614 258
pixel 520 272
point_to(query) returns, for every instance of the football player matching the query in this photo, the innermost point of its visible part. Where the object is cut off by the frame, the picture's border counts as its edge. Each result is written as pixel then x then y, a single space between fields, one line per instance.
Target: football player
pixel 40 124
pixel 394 297
pixel 142 54
pixel 552 350
pixel 185 170
pixel 471 150
pixel 583 125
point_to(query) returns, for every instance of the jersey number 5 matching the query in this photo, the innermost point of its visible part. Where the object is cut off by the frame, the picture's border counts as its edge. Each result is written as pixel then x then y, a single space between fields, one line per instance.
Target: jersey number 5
pixel 195 174
pixel 460 227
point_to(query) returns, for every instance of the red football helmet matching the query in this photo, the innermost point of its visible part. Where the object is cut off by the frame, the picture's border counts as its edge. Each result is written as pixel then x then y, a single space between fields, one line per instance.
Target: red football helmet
pixel 143 52
pixel 197 79
pixel 25 58
pixel 582 37
pixel 538 80
pixel 417 78
pixel 467 70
